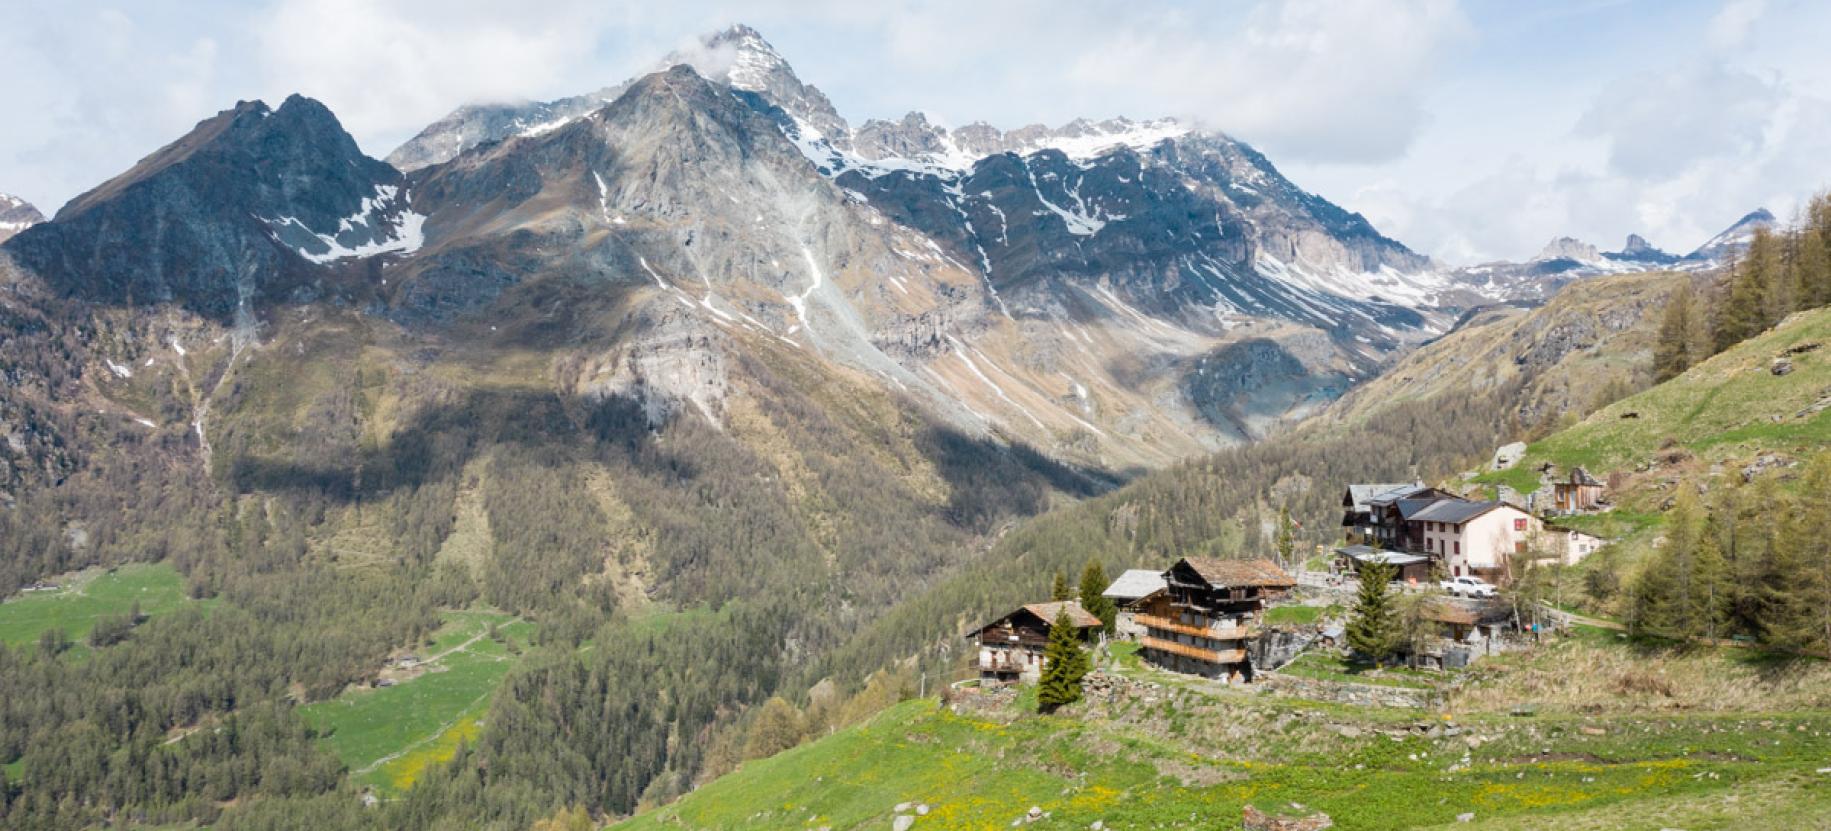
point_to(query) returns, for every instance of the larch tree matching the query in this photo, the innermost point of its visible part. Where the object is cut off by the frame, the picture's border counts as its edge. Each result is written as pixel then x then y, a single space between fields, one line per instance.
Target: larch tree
pixel 1060 591
pixel 1683 338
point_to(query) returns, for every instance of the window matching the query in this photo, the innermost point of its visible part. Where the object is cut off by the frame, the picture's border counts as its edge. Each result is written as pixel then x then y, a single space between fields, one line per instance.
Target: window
pixel 1459 547
pixel 1519 547
pixel 1519 524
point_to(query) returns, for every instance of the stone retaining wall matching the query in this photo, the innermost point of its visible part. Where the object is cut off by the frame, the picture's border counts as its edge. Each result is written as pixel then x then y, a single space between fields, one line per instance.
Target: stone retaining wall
pixel 1345 692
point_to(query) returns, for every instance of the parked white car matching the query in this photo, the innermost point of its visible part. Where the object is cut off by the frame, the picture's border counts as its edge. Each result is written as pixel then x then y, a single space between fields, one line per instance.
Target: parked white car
pixel 1468 587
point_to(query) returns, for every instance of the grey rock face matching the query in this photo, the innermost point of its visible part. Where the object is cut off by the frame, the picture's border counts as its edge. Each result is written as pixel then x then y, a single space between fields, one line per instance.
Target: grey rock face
pixel 1568 248
pixel 1734 238
pixel 16 215
pixel 241 209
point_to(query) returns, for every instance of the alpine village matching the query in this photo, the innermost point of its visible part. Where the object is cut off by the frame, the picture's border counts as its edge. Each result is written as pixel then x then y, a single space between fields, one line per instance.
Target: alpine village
pixel 678 454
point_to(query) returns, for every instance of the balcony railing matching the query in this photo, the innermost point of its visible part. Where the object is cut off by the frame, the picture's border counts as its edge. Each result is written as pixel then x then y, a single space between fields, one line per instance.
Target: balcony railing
pixel 1225 633
pixel 1213 656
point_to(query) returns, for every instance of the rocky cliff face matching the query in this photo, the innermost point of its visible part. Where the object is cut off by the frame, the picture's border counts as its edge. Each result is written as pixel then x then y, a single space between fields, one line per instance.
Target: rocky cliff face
pixel 1059 285
pixel 247 208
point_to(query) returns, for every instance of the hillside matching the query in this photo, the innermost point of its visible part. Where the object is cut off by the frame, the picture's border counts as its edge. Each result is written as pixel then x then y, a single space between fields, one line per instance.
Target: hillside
pixel 1592 339
pixel 1439 411
pixel 1715 418
pixel 1596 750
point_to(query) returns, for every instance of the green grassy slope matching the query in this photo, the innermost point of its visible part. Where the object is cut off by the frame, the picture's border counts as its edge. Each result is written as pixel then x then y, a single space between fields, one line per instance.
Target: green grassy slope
pixel 89 596
pixel 1192 756
pixel 1729 408
pixel 387 736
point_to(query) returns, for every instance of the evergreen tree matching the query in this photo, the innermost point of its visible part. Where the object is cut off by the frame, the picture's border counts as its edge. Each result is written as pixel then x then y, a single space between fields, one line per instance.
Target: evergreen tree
pixel 1093 599
pixel 1287 537
pixel 1064 665
pixel 1060 590
pixel 1375 630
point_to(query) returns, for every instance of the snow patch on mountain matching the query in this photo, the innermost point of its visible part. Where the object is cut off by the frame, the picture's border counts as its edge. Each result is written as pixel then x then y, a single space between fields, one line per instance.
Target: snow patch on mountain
pixel 383 225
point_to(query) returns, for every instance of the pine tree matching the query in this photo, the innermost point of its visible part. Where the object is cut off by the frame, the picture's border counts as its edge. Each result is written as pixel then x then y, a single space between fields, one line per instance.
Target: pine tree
pixel 1064 665
pixel 1375 629
pixel 1287 537
pixel 1060 590
pixel 1094 599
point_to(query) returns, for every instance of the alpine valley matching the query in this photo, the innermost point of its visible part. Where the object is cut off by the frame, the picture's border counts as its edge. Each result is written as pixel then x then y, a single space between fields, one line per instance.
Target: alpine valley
pixel 629 411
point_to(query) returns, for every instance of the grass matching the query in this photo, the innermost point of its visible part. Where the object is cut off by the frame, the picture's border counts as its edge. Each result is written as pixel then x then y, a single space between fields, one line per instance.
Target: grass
pixel 1293 615
pixel 387 736
pixel 89 596
pixel 1326 667
pixel 1518 477
pixel 1727 408
pixel 1122 766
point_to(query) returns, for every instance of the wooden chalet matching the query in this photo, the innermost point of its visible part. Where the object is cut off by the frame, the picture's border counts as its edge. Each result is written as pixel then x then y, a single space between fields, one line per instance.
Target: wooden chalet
pixel 1206 620
pixel 1579 493
pixel 1011 647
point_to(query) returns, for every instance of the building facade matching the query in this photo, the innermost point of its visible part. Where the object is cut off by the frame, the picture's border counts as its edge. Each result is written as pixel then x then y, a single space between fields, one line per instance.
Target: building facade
pixel 1011 648
pixel 1205 621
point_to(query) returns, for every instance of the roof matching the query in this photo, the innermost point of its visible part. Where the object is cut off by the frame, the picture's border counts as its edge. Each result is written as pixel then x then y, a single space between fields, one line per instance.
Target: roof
pixel 1239 573
pixel 1135 583
pixel 1448 612
pixel 1360 495
pixel 1080 617
pixel 1369 554
pixel 1409 508
pixel 1045 612
pixel 1453 511
pixel 1579 476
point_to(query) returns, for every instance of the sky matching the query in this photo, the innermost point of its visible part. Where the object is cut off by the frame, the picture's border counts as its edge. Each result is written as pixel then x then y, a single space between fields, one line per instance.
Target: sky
pixel 1470 131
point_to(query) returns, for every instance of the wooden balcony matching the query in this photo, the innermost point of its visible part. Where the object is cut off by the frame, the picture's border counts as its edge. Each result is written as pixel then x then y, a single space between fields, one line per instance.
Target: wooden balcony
pixel 1228 633
pixel 1213 656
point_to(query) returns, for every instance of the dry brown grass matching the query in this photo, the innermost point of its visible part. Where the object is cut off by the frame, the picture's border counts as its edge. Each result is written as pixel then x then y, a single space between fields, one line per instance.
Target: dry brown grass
pixel 1590 675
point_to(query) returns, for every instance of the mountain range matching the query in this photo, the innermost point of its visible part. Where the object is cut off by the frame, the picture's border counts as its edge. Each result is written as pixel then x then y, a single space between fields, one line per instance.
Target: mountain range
pixel 723 395
pixel 1116 293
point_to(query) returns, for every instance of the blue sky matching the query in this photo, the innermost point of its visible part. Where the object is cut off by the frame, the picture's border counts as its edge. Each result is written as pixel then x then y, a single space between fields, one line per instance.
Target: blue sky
pixel 1468 130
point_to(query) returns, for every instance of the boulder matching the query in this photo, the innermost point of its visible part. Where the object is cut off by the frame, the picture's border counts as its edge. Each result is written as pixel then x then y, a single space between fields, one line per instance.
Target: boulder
pixel 1253 819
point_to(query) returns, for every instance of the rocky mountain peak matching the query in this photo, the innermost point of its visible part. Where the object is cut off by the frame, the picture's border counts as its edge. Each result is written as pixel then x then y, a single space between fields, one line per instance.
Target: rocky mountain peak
pixel 1734 238
pixel 1568 248
pixel 16 215
pixel 233 211
pixel 1637 244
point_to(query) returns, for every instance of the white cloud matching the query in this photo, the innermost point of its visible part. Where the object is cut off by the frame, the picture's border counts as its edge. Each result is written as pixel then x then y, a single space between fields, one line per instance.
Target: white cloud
pixel 1467 133
pixel 1731 26
pixel 1308 80
pixel 1658 123
pixel 388 69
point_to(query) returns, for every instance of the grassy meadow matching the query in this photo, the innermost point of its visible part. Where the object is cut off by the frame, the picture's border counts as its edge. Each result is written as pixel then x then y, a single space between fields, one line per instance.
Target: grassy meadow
pixel 87 596
pixel 1190 756
pixel 388 735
